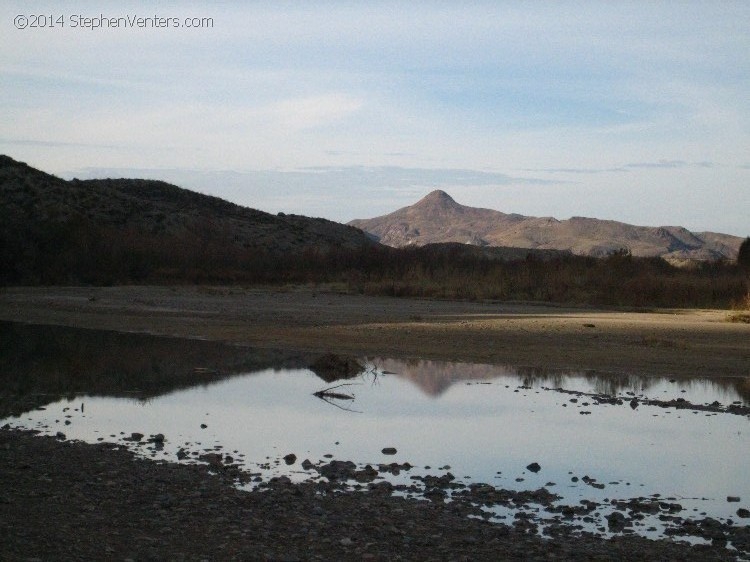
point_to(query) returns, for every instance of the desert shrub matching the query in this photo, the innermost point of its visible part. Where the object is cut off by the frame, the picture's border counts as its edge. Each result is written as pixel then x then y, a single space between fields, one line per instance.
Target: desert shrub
pixel 742 303
pixel 743 257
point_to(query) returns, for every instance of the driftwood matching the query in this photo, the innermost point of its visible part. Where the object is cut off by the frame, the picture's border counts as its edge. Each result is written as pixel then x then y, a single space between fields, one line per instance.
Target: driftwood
pixel 328 395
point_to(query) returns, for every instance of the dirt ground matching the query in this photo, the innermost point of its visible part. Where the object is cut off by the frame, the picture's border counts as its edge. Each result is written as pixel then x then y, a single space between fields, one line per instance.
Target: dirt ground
pixel 680 343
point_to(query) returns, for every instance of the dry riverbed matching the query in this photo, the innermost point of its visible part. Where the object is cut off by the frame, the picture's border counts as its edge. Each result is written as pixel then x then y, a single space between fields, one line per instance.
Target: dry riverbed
pixel 680 343
pixel 69 500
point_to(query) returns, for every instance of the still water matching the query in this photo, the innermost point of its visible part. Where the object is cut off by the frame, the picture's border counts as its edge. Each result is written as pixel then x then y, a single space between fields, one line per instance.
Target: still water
pixel 480 423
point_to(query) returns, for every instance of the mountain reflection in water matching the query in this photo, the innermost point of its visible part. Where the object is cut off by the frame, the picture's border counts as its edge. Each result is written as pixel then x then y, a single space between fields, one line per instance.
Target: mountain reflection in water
pixel 435 377
pixel 41 364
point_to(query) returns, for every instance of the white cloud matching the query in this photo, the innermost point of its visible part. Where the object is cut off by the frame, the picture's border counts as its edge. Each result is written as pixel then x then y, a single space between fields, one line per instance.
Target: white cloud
pixel 310 112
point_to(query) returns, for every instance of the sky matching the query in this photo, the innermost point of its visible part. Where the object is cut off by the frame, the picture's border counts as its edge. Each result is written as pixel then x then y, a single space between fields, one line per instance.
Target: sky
pixel 633 111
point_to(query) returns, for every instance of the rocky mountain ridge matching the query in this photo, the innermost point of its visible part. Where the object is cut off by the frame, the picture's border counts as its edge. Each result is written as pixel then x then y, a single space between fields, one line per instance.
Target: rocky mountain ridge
pixel 438 218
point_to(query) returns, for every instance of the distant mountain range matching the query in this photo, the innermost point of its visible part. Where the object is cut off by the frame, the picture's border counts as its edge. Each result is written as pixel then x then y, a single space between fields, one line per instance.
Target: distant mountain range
pixel 437 218
pixel 29 196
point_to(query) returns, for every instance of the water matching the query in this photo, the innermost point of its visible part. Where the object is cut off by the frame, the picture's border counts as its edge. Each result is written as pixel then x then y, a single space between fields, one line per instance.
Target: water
pixel 480 423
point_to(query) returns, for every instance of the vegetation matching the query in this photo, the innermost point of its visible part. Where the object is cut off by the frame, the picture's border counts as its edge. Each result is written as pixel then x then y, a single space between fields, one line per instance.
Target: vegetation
pixel 743 258
pixel 79 253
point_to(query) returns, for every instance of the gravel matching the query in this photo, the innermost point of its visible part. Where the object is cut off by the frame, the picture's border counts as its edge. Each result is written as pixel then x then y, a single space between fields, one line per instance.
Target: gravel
pixel 66 500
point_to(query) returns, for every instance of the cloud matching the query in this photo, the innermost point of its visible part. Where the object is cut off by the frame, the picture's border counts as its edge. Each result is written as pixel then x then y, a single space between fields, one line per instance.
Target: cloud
pixel 309 112
pixel 586 171
pixel 659 164
pixel 672 164
pixel 55 144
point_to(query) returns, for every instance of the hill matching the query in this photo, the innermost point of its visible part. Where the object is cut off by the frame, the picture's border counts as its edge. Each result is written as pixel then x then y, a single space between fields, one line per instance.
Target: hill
pixel 438 218
pixel 47 223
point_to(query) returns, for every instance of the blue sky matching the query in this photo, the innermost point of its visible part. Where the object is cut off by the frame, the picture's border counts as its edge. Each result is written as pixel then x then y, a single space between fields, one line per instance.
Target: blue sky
pixel 632 111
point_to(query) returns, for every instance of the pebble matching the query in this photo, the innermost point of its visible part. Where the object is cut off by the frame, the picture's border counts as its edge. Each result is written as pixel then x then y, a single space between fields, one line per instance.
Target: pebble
pixel 283 520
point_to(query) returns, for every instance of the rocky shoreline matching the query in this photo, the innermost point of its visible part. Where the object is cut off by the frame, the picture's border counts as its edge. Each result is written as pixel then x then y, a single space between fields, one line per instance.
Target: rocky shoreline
pixel 74 501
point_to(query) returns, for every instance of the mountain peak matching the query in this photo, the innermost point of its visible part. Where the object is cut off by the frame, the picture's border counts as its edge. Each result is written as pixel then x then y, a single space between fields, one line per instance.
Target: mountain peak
pixel 437 198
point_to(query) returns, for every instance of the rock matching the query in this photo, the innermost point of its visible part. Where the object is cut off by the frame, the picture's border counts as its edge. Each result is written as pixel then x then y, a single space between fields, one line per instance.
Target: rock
pixel 338 470
pixel 203 426
pixel 534 467
pixel 60 435
pixel 306 464
pixel 733 499
pixel 383 486
pixel 135 436
pixel 290 459
pixel 743 513
pixel 158 438
pixel 389 451
pixel 281 480
pixel 213 459
pixel 367 474
pixel 616 521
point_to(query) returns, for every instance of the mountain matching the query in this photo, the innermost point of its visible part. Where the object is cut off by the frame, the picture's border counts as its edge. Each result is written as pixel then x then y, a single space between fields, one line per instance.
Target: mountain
pixel 125 230
pixel 156 207
pixel 438 218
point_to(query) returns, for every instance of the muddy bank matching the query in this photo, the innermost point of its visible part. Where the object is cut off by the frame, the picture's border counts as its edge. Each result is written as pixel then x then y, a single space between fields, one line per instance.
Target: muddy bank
pixel 664 343
pixel 66 500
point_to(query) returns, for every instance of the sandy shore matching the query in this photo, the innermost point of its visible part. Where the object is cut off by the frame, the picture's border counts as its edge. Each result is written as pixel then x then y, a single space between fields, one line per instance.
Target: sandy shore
pixel 679 343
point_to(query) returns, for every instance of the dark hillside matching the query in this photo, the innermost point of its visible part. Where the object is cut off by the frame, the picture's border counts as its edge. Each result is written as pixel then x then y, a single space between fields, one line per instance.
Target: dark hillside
pixel 115 230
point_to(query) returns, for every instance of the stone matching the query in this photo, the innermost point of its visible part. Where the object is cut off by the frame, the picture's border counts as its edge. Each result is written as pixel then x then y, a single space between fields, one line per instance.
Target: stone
pixel 534 467
pixel 389 451
pixel 733 499
pixel 290 459
pixel 616 521
pixel 338 470
pixel 743 513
